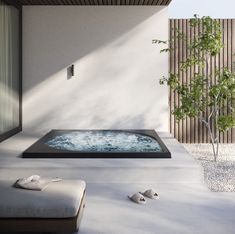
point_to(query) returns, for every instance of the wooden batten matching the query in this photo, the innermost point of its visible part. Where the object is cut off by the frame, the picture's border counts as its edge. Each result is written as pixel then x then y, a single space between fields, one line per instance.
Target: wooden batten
pixel 192 130
pixel 90 2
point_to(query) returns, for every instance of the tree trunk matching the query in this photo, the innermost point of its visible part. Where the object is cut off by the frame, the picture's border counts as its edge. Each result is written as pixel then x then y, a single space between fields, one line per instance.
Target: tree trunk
pixel 213 137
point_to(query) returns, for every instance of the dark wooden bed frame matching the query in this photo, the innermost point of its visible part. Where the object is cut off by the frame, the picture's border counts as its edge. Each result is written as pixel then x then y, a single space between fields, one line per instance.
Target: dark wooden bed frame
pixel 54 225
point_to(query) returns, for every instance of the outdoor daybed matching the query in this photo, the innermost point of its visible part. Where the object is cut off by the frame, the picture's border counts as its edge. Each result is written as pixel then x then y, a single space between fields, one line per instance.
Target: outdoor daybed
pixel 58 208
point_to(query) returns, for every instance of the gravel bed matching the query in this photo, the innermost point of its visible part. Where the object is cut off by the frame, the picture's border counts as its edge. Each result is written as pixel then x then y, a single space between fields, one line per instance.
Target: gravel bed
pixel 219 176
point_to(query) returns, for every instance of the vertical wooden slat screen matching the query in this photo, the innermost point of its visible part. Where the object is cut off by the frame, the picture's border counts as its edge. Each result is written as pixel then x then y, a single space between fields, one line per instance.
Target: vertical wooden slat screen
pixel 191 130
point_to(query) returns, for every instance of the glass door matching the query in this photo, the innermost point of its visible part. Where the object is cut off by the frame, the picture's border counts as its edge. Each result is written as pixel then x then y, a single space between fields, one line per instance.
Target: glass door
pixel 10 69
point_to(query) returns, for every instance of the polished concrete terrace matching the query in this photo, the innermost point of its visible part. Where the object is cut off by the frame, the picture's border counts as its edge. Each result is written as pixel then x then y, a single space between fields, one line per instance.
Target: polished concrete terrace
pixel 185 204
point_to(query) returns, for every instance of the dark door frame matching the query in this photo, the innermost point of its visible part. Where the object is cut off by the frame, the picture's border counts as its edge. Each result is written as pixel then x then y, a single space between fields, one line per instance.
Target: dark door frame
pixel 12 132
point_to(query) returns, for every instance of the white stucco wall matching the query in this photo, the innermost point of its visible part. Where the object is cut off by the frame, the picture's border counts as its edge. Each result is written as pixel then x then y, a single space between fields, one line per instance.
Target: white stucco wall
pixel 116 67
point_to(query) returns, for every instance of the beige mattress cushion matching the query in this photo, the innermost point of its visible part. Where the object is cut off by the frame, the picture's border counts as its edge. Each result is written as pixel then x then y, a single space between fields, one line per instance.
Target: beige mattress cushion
pixel 58 200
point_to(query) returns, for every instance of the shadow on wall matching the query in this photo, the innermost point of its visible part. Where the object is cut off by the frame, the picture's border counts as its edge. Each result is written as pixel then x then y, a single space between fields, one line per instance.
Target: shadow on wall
pixel 116 67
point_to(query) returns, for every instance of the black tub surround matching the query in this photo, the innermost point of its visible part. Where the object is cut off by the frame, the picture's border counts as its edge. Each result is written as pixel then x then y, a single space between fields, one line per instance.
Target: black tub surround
pixel 98 144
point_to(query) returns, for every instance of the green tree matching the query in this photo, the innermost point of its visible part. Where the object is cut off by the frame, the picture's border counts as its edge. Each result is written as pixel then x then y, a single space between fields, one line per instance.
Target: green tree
pixel 202 94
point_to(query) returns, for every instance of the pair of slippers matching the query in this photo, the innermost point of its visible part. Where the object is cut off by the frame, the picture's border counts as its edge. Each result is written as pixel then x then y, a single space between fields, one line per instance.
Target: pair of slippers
pixel 140 197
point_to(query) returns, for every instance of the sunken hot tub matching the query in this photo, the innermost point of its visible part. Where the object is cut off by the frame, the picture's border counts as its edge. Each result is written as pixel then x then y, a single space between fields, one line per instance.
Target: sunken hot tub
pixel 98 144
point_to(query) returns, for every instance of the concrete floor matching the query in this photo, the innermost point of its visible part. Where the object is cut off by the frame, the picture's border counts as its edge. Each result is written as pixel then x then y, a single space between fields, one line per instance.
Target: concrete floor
pixel 185 204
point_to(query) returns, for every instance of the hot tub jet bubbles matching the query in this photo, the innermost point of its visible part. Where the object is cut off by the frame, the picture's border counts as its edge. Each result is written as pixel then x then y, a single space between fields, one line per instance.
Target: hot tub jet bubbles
pixel 104 141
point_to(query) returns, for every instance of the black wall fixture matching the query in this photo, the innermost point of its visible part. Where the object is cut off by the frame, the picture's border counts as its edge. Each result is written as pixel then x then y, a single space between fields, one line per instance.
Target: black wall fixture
pixel 70 72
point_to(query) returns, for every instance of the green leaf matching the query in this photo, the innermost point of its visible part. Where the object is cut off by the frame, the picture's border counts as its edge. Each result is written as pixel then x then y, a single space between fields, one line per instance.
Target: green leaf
pixel 212 91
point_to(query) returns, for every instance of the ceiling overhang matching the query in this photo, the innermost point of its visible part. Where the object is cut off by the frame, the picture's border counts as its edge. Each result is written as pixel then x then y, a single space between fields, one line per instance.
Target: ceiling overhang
pixel 89 2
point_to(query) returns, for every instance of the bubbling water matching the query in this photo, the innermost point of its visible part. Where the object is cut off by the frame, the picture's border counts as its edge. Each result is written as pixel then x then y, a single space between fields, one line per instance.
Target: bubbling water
pixel 104 141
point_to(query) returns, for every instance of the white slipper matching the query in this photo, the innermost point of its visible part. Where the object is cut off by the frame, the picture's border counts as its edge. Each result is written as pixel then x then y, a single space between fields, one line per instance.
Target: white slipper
pixel 137 198
pixel 150 193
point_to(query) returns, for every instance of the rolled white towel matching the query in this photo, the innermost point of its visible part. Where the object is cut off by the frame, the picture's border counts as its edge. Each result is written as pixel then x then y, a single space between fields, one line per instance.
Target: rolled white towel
pixel 34 182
